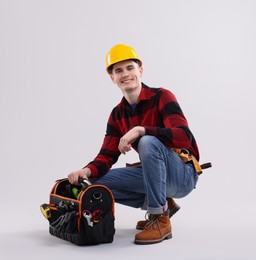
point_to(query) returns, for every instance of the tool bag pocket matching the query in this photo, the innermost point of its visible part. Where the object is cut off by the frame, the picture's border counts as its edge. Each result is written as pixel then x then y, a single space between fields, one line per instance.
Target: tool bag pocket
pixel 102 232
pixel 83 215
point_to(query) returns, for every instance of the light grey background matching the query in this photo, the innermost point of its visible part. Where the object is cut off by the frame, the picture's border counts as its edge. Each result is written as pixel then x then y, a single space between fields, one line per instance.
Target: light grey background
pixel 55 98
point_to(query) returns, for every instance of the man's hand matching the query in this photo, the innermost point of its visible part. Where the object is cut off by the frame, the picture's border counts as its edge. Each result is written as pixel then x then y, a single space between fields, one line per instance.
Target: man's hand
pixel 83 173
pixel 131 136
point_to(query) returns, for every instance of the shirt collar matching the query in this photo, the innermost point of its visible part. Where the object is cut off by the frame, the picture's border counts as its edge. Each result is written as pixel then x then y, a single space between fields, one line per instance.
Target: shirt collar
pixel 144 95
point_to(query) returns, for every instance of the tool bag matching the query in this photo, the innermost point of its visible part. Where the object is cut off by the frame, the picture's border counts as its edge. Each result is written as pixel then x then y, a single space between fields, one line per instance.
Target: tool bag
pixel 81 214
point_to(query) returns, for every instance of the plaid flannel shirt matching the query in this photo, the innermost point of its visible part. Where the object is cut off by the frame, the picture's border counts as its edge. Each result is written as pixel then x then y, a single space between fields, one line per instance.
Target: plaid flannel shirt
pixel 158 111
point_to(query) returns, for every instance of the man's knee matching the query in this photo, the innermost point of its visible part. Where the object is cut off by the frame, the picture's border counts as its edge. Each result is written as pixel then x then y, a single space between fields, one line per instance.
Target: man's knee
pixel 147 144
pixel 145 141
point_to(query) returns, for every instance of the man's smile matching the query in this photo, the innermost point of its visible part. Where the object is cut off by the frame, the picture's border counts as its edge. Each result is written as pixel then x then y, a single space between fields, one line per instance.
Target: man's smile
pixel 126 80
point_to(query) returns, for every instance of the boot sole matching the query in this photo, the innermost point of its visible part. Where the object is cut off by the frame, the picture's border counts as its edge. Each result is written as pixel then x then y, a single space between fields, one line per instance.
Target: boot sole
pixel 172 212
pixel 150 242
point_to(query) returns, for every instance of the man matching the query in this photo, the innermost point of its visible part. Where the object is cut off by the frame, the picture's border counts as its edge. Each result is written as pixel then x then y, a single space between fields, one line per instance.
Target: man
pixel 150 121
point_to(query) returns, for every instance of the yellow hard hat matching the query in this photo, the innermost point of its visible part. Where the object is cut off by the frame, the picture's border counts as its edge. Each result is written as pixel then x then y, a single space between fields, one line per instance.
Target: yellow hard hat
pixel 120 52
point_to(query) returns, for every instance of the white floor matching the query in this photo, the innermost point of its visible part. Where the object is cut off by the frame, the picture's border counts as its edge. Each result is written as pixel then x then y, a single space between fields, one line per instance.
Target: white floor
pixel 199 232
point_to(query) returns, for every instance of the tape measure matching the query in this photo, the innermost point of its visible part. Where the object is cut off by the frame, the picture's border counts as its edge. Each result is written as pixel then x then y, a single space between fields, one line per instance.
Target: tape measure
pixel 46 211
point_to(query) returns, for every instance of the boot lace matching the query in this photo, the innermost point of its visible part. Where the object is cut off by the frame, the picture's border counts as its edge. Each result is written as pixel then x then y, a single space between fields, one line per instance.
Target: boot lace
pixel 153 222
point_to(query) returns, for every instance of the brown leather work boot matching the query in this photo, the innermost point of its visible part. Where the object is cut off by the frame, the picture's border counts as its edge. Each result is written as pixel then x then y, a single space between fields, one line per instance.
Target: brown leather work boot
pixel 172 207
pixel 156 230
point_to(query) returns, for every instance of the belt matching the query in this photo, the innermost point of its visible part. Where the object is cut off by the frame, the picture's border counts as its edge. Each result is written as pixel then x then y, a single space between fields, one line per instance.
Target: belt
pixel 187 157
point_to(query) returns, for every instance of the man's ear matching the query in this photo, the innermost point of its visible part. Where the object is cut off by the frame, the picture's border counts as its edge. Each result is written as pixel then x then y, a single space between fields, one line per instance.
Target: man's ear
pixel 141 71
pixel 112 78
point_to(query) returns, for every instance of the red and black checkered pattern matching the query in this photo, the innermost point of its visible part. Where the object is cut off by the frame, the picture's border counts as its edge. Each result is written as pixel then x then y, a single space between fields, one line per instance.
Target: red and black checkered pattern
pixel 158 111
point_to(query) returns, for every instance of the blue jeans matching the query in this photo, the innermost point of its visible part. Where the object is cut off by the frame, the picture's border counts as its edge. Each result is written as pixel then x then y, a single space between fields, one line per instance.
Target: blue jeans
pixel 162 175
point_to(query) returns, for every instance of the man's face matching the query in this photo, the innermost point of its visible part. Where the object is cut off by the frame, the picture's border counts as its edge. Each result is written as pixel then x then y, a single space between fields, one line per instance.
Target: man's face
pixel 127 75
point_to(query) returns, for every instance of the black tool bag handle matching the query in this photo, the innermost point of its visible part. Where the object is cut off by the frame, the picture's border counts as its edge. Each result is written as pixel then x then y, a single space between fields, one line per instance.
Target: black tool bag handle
pixel 84 182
